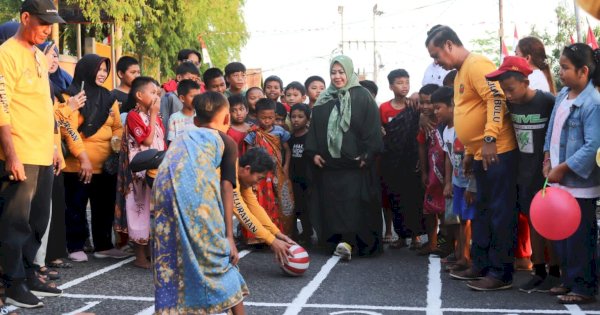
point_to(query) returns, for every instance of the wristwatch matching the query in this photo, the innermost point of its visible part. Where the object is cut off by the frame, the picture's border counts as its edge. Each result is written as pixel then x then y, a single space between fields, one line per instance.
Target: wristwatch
pixel 489 139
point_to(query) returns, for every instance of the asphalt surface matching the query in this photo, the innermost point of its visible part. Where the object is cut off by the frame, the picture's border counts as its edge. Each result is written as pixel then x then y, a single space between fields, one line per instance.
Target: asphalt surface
pixel 398 282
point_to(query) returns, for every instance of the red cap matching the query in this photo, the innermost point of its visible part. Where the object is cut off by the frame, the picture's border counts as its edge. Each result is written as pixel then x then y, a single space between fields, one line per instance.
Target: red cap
pixel 511 63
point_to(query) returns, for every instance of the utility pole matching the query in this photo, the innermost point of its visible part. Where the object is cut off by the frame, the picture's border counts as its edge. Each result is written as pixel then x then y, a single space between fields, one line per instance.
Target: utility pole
pixel 341 12
pixel 577 27
pixel 501 30
pixel 375 14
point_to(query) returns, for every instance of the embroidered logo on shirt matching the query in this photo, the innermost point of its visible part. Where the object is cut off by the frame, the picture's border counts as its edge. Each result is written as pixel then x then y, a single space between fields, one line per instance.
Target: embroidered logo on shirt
pixel 138 131
pixel 461 89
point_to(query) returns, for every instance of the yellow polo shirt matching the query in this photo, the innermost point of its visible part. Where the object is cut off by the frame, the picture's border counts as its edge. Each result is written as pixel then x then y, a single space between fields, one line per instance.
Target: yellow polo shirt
pixel 26 105
pixel 480 108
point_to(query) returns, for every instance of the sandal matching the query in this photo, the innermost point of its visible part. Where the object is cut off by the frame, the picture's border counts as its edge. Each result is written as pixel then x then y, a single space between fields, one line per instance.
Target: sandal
pixel 559 290
pixel 388 239
pixel 397 244
pixel 574 298
pixel 59 263
pixel 49 273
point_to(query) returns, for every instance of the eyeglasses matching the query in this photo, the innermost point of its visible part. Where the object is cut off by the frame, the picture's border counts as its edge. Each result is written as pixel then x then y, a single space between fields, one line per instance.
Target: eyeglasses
pixel 38 64
pixel 195 63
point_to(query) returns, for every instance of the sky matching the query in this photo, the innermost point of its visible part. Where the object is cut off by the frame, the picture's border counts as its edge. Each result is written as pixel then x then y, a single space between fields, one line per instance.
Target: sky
pixel 295 39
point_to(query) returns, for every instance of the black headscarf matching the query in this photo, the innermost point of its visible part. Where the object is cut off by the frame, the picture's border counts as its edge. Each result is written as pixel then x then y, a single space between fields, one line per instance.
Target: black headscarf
pixel 99 99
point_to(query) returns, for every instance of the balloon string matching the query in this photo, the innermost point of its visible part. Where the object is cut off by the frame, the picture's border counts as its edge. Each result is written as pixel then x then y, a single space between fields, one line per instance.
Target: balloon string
pixel 544 189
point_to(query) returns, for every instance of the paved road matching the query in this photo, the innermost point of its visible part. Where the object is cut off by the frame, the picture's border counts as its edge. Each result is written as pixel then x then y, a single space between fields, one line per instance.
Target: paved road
pixel 398 282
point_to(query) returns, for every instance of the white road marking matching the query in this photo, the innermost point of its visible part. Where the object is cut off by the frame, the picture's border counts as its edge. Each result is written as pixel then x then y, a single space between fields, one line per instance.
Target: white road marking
pixel 243 253
pixel 574 309
pixel 311 287
pixel 85 308
pixel 345 306
pixel 434 287
pixel 109 297
pixel 147 311
pixel 96 273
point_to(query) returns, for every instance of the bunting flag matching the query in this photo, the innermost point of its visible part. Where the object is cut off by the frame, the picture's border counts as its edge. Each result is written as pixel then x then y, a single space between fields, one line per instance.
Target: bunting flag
pixel 515 39
pixel 205 57
pixel 591 38
pixel 572 40
pixel 504 50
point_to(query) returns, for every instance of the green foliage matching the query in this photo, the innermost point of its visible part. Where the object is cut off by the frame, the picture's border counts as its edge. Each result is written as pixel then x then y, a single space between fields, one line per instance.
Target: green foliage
pixel 488 46
pixel 9 10
pixel 157 29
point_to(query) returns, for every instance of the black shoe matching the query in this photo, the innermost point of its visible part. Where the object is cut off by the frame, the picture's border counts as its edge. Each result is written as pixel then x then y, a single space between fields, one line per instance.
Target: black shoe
pixel 40 288
pixel 548 283
pixel 530 285
pixel 18 295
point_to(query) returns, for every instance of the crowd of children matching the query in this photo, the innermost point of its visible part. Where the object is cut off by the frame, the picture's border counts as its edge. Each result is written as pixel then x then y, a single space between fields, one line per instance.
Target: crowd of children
pixel 462 159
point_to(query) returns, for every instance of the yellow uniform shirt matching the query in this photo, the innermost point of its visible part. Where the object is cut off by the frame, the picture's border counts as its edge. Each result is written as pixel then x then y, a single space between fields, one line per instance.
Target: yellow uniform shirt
pixel 252 215
pixel 97 146
pixel 26 103
pixel 480 108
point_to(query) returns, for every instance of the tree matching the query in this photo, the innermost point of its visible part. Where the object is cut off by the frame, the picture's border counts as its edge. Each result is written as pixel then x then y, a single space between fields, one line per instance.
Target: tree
pixel 9 10
pixel 155 30
pixel 488 46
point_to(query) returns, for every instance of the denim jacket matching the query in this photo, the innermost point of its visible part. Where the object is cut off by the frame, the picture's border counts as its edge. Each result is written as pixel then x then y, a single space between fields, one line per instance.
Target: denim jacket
pixel 580 138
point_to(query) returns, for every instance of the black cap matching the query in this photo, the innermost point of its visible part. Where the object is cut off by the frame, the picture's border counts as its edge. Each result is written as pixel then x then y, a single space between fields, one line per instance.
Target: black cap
pixel 43 9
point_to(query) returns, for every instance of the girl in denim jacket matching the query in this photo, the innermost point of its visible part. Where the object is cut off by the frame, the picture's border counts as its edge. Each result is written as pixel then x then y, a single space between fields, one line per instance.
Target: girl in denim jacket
pixel 572 140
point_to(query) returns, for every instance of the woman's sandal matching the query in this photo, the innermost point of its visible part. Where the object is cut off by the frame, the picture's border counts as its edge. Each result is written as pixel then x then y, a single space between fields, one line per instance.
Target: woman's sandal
pixel 49 273
pixel 559 290
pixel 388 239
pixel 59 264
pixel 574 298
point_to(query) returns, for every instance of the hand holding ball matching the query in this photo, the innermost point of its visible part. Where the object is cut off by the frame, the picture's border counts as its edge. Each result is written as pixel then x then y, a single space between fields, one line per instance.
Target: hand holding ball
pixel 298 263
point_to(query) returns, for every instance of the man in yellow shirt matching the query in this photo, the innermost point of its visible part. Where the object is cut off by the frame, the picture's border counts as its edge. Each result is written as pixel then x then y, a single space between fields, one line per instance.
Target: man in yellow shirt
pixel 28 154
pixel 482 124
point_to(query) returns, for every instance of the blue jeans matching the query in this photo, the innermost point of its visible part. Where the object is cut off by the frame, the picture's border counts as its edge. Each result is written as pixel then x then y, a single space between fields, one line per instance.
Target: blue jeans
pixel 494 227
pixel 577 253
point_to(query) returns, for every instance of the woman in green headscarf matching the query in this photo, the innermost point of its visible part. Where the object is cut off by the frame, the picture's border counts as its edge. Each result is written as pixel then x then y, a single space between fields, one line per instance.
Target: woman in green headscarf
pixel 343 140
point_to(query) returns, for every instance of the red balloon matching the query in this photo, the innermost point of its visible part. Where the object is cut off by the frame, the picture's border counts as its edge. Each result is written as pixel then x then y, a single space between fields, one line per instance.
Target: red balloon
pixel 555 215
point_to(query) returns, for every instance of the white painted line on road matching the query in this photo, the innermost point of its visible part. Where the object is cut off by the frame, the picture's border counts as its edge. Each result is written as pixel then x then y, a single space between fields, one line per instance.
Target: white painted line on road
pixel 85 308
pixel 96 273
pixel 366 307
pixel 109 297
pixel 491 310
pixel 574 309
pixel 147 311
pixel 243 253
pixel 434 287
pixel 311 287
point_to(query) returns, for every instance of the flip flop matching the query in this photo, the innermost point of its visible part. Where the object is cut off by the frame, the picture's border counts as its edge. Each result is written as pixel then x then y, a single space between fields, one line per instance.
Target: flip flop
pixel 574 298
pixel 49 273
pixel 59 264
pixel 559 290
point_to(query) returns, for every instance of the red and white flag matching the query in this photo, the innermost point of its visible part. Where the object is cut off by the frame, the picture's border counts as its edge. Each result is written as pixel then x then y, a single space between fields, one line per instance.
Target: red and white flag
pixel 504 50
pixel 515 39
pixel 591 38
pixel 205 57
pixel 572 40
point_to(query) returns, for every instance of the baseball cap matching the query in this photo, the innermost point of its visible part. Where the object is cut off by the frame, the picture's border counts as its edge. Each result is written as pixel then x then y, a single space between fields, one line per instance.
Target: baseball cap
pixel 43 9
pixel 511 63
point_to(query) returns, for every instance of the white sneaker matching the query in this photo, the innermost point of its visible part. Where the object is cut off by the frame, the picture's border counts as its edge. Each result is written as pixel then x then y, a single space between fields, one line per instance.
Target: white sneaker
pixel 344 250
pixel 78 256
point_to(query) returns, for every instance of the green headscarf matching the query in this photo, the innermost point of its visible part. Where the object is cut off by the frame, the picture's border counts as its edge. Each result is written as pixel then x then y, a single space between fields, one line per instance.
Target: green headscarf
pixel 339 119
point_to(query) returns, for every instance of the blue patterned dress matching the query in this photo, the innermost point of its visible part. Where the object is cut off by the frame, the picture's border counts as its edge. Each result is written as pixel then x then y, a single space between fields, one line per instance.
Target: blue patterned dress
pixel 192 272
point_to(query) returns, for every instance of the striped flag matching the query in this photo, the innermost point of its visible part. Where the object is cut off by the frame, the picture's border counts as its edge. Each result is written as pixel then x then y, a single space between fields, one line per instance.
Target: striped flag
pixel 515 39
pixel 572 40
pixel 591 38
pixel 504 50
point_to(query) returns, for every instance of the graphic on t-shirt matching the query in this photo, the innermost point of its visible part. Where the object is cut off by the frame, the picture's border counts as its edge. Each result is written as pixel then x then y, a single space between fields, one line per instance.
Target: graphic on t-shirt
pixel 297 150
pixel 525 140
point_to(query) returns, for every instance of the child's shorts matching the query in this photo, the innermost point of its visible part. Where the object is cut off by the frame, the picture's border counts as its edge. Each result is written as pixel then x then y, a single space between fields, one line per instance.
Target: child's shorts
pixel 460 206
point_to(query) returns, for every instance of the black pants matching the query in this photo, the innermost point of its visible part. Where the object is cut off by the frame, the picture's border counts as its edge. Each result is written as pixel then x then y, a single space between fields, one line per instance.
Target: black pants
pixel 24 215
pixel 57 237
pixel 300 203
pixel 100 192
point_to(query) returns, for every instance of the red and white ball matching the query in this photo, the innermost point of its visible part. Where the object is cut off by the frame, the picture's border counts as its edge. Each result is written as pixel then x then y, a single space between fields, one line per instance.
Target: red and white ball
pixel 298 263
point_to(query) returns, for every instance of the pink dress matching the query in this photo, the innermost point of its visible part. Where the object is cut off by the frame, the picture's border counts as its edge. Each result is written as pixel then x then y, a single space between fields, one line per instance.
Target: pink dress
pixel 137 199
